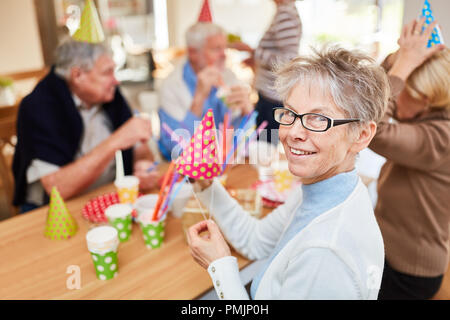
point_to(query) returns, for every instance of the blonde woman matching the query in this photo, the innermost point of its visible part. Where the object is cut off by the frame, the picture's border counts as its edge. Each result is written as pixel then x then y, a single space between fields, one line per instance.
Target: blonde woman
pixel 414 184
pixel 324 242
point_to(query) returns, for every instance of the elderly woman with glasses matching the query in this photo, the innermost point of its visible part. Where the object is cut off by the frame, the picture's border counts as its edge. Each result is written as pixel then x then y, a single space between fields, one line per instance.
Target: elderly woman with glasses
pixel 324 241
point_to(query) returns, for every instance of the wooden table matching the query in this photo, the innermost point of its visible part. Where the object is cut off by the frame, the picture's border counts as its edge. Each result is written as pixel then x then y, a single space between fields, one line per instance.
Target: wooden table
pixel 34 267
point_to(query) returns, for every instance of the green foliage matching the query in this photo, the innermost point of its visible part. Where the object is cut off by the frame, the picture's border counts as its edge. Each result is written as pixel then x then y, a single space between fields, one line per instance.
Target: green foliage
pixel 5 82
pixel 327 38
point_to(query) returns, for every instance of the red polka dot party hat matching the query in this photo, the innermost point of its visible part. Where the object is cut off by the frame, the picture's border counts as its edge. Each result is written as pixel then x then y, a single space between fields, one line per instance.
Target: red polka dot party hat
pixel 200 159
pixel 60 224
pixel 205 13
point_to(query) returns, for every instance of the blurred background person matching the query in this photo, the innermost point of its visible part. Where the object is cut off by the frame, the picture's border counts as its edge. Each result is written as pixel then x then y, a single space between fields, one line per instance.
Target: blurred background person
pixel 191 89
pixel 70 126
pixel 414 183
pixel 280 43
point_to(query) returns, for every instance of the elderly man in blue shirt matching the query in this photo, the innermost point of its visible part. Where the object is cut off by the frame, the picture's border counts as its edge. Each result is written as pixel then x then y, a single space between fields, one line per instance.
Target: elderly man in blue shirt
pixel 192 88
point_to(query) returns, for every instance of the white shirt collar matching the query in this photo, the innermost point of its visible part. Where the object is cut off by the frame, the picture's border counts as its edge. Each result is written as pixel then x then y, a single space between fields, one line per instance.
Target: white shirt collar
pixel 80 105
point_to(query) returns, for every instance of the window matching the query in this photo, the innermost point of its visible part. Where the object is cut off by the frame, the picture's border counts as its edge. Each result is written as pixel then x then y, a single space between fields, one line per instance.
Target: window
pixel 370 25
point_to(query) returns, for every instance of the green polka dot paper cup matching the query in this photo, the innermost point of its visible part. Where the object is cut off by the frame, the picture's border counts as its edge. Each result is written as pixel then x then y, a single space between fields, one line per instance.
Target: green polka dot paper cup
pixel 102 243
pixel 105 265
pixel 152 231
pixel 119 216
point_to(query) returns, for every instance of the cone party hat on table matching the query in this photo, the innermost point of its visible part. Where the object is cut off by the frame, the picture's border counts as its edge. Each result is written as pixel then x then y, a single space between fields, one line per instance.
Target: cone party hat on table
pixel 90 29
pixel 60 224
pixel 200 159
pixel 205 13
pixel 436 36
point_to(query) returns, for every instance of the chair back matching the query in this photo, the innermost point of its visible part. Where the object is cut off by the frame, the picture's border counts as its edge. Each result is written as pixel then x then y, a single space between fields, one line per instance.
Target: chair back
pixel 37 74
pixel 23 83
pixel 8 119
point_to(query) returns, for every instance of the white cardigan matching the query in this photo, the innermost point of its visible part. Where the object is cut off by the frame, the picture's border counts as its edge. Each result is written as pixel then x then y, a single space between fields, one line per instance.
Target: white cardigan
pixel 339 255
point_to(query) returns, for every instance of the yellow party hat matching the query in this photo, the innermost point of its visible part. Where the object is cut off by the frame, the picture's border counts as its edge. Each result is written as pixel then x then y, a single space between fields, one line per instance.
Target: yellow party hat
pixel 60 224
pixel 90 29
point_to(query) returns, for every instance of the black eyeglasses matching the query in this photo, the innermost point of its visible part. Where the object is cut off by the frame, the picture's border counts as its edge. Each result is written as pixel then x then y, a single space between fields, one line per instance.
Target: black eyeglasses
pixel 311 121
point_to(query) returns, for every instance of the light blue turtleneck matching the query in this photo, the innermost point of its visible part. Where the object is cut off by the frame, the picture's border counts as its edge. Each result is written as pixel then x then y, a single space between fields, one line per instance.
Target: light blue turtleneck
pixel 318 198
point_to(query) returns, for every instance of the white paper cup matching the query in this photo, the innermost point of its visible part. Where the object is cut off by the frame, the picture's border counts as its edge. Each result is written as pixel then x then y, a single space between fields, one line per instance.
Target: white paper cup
pixel 102 239
pixel 145 205
pixel 118 210
pixel 127 182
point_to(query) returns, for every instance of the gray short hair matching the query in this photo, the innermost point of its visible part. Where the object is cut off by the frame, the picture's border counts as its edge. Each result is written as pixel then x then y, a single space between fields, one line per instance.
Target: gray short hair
pixel 356 83
pixel 71 53
pixel 197 34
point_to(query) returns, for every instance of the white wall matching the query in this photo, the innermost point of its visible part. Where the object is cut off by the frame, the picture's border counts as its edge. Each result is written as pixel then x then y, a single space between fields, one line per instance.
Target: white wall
pixel 441 12
pixel 20 47
pixel 248 18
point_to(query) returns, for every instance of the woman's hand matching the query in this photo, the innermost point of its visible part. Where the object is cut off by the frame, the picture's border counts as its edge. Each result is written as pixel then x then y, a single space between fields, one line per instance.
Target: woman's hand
pixel 413 48
pixel 208 247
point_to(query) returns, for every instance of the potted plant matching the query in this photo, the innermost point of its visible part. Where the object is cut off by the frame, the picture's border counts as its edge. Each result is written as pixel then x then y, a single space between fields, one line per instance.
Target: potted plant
pixel 6 91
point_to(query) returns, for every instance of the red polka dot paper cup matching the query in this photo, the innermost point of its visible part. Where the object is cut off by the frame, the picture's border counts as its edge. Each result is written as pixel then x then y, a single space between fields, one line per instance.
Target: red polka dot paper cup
pixel 102 243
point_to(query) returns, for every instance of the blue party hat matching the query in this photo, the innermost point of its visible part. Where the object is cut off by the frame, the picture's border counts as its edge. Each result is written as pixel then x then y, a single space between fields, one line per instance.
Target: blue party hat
pixel 436 36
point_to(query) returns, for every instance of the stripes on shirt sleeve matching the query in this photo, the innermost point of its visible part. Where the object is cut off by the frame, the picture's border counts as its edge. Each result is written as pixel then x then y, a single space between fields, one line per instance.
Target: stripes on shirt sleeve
pixel 280 43
pixel 282 40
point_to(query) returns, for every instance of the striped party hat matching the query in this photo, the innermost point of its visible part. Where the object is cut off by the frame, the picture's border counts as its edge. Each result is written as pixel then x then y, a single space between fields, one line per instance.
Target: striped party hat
pixel 90 29
pixel 436 36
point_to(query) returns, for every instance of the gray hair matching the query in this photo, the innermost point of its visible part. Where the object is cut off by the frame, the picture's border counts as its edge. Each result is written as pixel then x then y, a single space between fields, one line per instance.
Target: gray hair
pixel 71 53
pixel 197 34
pixel 356 83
